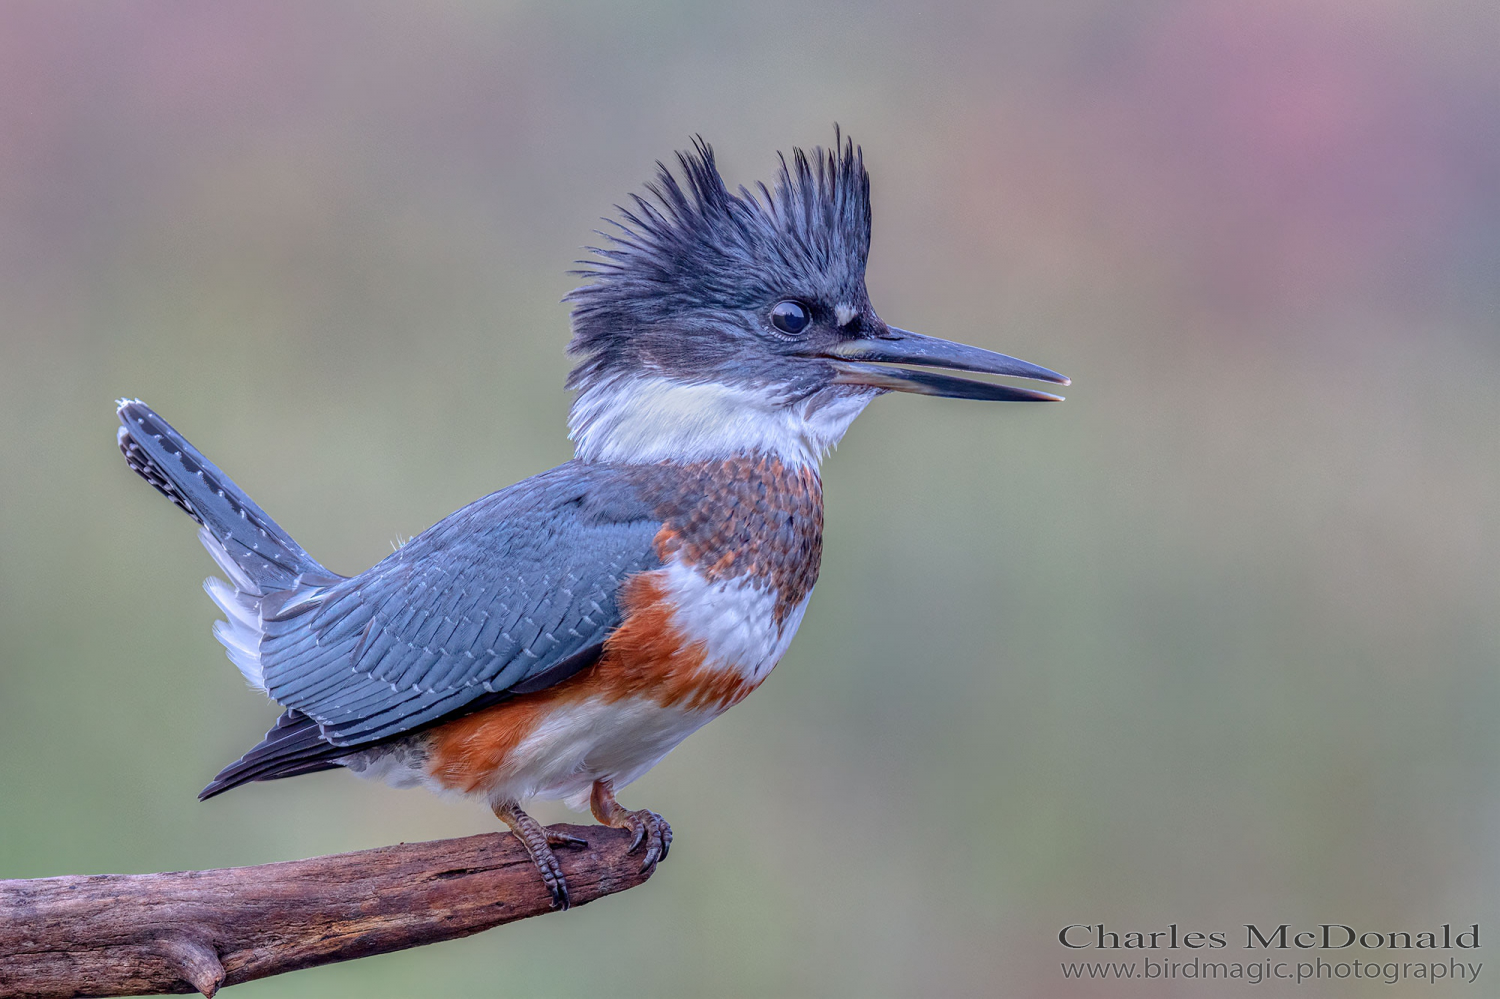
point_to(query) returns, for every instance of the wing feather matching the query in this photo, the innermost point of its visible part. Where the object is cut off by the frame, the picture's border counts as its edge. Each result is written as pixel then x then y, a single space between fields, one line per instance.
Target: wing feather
pixel 510 594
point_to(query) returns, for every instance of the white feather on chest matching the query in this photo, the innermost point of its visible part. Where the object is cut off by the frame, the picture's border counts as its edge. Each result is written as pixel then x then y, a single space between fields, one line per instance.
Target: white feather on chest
pixel 734 619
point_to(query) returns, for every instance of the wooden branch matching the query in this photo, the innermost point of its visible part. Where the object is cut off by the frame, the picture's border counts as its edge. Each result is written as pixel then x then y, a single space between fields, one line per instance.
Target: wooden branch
pixel 153 934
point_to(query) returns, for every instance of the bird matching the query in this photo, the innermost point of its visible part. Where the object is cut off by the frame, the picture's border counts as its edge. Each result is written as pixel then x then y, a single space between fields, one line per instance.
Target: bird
pixel 557 638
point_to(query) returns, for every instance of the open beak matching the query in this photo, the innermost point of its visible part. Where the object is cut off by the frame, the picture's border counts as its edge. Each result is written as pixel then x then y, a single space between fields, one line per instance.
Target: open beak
pixel 859 363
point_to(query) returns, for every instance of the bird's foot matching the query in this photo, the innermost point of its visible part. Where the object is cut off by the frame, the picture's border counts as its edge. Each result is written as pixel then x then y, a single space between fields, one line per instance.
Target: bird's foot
pixel 650 829
pixel 539 841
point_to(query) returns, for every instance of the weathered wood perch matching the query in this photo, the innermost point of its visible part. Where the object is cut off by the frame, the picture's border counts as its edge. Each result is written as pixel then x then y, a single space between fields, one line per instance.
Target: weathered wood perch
pixel 154 934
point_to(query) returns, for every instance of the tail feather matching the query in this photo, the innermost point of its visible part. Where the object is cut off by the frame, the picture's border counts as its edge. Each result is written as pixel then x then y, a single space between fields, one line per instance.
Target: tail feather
pixel 293 746
pixel 260 559
pixel 268 573
pixel 267 557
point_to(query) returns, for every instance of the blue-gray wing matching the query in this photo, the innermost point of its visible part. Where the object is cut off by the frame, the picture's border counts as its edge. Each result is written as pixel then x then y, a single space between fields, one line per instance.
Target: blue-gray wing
pixel 510 594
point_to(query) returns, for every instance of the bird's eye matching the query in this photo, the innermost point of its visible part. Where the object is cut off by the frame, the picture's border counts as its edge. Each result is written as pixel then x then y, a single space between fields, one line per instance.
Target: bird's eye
pixel 790 317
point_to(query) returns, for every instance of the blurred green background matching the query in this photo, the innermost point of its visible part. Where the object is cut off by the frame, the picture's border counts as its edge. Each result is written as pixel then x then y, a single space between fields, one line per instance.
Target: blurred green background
pixel 1213 642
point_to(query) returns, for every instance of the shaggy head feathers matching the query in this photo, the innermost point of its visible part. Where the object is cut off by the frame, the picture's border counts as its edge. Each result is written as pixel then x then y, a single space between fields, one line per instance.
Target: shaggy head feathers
pixel 685 283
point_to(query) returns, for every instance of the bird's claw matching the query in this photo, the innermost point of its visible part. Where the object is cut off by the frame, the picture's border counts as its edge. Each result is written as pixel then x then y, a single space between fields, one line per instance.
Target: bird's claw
pixel 552 877
pixel 646 826
pixel 539 841
pixel 566 839
pixel 649 829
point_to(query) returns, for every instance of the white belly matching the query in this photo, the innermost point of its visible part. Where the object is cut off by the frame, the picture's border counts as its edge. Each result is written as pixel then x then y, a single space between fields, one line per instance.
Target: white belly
pixel 617 740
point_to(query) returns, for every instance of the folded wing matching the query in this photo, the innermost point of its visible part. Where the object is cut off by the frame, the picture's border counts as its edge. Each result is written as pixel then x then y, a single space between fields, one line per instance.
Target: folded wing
pixel 511 594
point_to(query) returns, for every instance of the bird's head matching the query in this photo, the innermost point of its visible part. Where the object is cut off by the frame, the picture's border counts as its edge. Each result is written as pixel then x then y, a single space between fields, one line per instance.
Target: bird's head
pixel 719 324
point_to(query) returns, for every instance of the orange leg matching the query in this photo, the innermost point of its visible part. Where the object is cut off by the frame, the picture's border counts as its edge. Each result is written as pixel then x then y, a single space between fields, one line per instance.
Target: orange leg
pixel 539 841
pixel 649 828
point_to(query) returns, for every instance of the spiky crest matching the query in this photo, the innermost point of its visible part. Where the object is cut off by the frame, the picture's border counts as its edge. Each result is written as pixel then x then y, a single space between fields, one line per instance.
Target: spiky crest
pixel 691 248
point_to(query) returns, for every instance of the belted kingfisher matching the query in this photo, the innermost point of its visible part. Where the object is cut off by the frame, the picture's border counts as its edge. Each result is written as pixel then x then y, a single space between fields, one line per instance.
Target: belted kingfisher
pixel 557 638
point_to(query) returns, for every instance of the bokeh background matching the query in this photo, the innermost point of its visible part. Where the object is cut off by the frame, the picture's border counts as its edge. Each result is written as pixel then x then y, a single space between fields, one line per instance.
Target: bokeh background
pixel 1214 642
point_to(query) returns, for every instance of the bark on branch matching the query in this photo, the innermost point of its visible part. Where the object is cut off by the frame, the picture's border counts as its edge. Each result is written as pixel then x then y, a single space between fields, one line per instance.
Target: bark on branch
pixel 154 934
